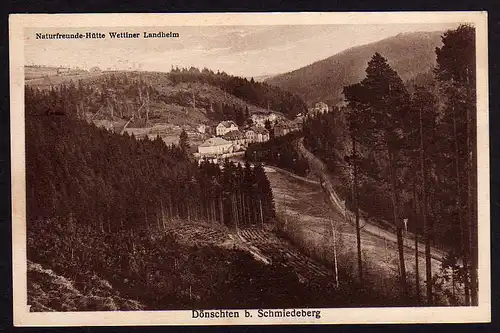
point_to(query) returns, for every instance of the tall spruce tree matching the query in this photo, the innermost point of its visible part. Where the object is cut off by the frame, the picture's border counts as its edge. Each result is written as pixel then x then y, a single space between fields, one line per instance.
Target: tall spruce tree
pixel 264 194
pixel 455 70
pixel 382 102
pixel 424 116
pixel 184 141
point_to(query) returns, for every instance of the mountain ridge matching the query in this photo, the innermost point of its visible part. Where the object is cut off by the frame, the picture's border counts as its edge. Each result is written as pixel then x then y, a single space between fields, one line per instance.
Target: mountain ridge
pixel 324 80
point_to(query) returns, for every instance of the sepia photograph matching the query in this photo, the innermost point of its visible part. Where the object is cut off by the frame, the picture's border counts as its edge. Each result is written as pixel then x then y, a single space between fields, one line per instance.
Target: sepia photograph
pixel 209 169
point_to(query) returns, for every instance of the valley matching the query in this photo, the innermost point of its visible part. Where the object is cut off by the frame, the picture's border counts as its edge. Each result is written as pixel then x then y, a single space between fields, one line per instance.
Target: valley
pixel 194 188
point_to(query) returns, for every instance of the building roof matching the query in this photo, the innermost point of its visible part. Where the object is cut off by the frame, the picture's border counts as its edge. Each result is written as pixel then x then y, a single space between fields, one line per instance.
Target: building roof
pixel 214 142
pixel 234 135
pixel 260 130
pixel 281 125
pixel 228 123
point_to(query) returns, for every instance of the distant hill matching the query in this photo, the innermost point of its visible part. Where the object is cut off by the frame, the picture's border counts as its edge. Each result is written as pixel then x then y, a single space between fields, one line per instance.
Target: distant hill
pixel 408 53
pixel 39 74
pixel 182 98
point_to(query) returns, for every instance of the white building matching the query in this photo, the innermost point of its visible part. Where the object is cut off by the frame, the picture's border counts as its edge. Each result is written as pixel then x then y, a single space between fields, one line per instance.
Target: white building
pixel 259 119
pixel 261 134
pixel 237 138
pixel 286 127
pixel 250 135
pixel 225 127
pixel 63 70
pixel 257 134
pixel 202 128
pixel 319 107
pixel 215 146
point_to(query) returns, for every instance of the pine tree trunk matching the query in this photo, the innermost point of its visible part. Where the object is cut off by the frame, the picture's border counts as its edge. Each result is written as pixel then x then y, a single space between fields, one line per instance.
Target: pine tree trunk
pixel 237 213
pixel 464 244
pixel 261 216
pixel 471 209
pixel 397 222
pixel 234 209
pixel 170 209
pixel 415 209
pixel 213 210
pixel 356 208
pixel 335 257
pixel 237 205
pixel 221 210
pixel 162 216
pixel 427 228
pixel 247 210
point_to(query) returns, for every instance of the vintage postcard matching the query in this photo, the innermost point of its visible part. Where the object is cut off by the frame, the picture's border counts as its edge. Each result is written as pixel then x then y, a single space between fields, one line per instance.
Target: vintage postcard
pixel 256 168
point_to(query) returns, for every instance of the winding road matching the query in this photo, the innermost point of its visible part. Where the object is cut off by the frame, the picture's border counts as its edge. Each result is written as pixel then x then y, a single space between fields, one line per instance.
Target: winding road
pixel 369 227
pixel 382 229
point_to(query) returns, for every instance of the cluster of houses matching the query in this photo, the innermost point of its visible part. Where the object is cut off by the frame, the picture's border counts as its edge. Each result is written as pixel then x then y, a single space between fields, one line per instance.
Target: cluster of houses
pixel 318 108
pixel 226 137
pixel 229 138
pixel 284 128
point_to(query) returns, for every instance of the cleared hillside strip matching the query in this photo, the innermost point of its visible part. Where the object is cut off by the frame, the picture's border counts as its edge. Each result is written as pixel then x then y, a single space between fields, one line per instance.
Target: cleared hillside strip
pixel 275 247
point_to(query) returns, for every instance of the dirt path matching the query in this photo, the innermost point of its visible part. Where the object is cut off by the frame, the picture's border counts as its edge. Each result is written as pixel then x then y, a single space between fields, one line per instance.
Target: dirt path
pixel 309 212
pixel 320 170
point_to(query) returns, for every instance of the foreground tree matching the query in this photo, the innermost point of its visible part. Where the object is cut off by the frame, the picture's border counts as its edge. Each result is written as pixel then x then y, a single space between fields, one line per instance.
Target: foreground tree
pixel 456 73
pixel 381 102
pixel 352 161
pixel 424 107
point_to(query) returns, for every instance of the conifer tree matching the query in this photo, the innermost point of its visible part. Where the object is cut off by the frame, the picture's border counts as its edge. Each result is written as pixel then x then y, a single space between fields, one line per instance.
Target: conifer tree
pixel 184 142
pixel 265 194
pixel 424 118
pixel 382 101
pixel 455 70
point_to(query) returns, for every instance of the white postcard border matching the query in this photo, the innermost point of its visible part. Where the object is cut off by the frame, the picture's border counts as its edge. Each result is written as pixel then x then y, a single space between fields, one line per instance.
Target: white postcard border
pixel 22 316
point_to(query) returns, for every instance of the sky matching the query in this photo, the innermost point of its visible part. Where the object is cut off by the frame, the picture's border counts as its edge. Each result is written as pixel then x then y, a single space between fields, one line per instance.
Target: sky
pixel 248 51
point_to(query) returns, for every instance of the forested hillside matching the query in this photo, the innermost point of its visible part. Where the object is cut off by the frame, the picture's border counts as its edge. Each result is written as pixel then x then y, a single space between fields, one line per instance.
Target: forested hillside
pixel 181 97
pixel 105 203
pixel 409 54
pixel 257 93
pixel 83 171
pixel 411 156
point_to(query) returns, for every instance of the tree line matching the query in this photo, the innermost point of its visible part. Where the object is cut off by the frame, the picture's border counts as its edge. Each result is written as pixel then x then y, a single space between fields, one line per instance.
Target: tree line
pixel 412 156
pixel 256 93
pixel 127 95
